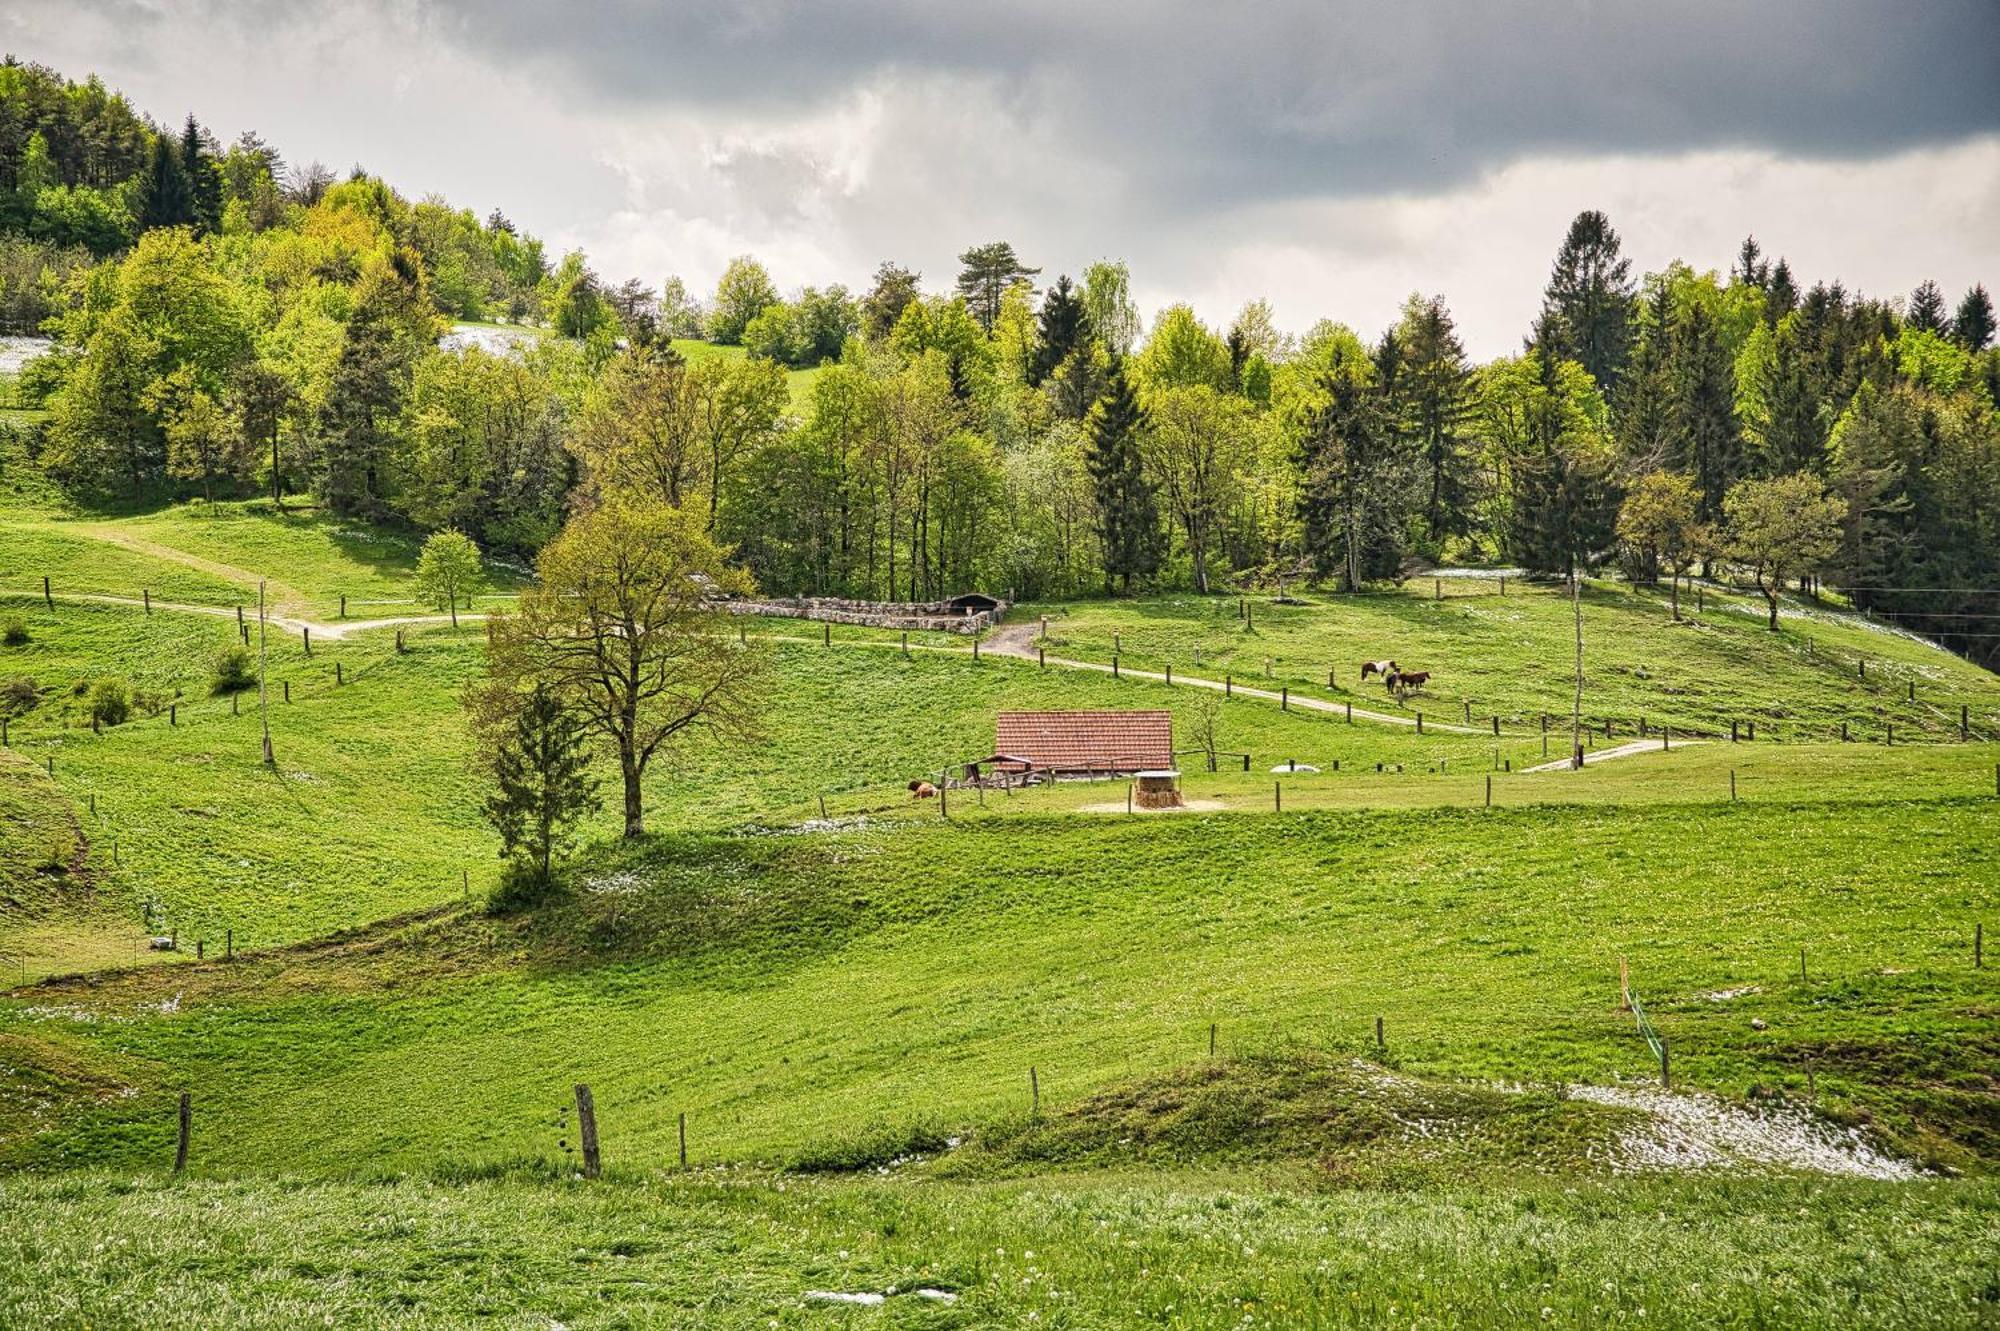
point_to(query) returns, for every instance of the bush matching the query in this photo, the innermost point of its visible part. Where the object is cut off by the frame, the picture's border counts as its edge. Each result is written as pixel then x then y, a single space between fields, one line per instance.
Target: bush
pixel 521 887
pixel 18 695
pixel 110 701
pixel 15 634
pixel 234 671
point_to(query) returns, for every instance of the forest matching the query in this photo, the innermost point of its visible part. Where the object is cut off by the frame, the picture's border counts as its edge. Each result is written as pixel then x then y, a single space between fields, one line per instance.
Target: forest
pixel 225 324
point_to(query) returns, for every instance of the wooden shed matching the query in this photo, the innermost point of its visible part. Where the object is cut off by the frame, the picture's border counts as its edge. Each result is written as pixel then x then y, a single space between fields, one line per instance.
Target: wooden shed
pixel 1049 745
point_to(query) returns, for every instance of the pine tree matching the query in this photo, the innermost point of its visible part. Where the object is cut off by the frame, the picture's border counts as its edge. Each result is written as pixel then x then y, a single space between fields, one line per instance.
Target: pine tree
pixel 166 198
pixel 987 273
pixel 1354 500
pixel 1926 308
pixel 1128 518
pixel 1587 309
pixel 1973 326
pixel 1563 505
pixel 203 175
pixel 388 327
pixel 1706 440
pixel 1062 329
pixel 539 765
pixel 1794 435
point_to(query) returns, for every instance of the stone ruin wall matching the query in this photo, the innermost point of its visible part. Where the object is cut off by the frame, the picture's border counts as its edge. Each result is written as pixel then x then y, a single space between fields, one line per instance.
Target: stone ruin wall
pixel 919 616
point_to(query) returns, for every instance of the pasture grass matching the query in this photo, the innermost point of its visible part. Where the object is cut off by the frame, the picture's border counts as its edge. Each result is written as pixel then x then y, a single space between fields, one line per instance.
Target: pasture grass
pixel 1109 1249
pixel 1512 656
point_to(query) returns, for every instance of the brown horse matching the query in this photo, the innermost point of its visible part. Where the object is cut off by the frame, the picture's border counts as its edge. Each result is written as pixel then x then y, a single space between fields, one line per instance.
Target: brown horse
pixel 922 790
pixel 1408 682
pixel 1382 668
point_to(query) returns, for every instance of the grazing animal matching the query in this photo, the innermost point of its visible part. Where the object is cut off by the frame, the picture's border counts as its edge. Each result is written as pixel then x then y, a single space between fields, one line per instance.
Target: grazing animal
pixel 1409 682
pixel 922 790
pixel 1382 668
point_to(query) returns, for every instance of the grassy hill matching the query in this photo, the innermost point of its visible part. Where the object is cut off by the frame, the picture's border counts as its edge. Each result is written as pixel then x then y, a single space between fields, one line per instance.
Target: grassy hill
pixel 848 997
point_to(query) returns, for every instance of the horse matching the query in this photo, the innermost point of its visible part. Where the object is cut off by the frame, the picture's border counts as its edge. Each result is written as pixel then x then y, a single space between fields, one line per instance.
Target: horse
pixel 922 790
pixel 1413 681
pixel 1382 668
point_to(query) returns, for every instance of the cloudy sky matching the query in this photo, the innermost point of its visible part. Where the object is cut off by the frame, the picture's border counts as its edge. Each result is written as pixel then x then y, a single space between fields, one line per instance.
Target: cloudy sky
pixel 1327 155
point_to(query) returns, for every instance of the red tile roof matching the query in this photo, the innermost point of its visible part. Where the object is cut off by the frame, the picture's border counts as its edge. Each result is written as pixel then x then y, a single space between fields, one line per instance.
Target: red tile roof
pixel 1119 741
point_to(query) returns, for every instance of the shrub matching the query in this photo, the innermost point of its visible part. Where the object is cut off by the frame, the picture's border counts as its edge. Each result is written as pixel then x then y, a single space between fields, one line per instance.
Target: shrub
pixel 110 701
pixel 15 634
pixel 234 671
pixel 18 695
pixel 522 886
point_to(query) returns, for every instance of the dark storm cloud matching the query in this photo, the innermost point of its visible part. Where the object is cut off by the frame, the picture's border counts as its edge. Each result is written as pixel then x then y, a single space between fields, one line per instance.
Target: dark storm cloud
pixel 1303 98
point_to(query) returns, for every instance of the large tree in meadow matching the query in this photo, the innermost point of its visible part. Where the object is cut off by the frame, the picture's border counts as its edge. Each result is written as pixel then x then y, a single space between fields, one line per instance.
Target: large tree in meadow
pixel 1787 527
pixel 623 625
pixel 1587 309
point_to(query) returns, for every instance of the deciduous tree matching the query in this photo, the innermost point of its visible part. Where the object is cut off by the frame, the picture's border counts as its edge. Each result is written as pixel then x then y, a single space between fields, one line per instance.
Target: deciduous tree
pixel 1780 528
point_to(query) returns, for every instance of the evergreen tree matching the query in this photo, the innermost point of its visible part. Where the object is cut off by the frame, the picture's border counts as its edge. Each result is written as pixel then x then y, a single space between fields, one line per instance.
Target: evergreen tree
pixel 1128 518
pixel 1587 309
pixel 1563 505
pixel 987 273
pixel 166 197
pixel 1062 329
pixel 1705 438
pixel 1973 326
pixel 1645 396
pixel 1429 408
pixel 1751 267
pixel 1926 308
pixel 203 175
pixel 1238 344
pixel 389 325
pixel 1794 434
pixel 539 764
pixel 895 287
pixel 1781 297
pixel 1354 491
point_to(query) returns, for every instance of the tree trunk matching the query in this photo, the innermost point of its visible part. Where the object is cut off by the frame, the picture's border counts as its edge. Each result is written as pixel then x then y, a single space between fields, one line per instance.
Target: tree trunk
pixel 1770 599
pixel 1675 595
pixel 635 812
pixel 454 607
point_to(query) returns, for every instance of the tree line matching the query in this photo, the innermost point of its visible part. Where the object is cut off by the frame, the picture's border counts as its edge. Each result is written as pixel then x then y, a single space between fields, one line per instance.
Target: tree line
pixel 1001 429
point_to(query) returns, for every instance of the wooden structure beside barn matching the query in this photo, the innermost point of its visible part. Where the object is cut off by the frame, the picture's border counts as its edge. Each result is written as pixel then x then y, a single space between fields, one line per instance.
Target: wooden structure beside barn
pixel 1033 747
pixel 969 612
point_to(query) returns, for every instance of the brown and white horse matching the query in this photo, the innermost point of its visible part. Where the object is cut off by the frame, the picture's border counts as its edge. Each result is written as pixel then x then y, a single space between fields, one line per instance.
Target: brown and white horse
pixel 1382 668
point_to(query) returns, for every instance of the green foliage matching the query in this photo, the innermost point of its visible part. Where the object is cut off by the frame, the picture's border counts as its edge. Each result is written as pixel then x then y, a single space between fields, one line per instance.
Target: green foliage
pixel 1128 522
pixel 449 570
pixel 1587 309
pixel 744 292
pixel 986 273
pixel 538 765
pixel 14 632
pixel 110 701
pixel 235 671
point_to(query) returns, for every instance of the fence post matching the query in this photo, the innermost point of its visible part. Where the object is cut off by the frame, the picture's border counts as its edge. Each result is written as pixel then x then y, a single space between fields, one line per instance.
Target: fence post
pixel 906 643
pixel 338 676
pixel 1802 966
pixel 235 707
pixel 1285 699
pixel 1035 1091
pixel 1468 710
pixel 47 595
pixel 822 808
pixel 1041 658
pixel 1978 946
pixel 1489 791
pixel 1732 785
pixel 186 1124
pixel 586 1129
pixel 1913 690
pixel 343 605
pixel 1170 672
pixel 684 1138
pixel 1437 589
pixel 1350 712
pixel 1229 686
pixel 944 792
pixel 1503 584
pixel 1667 738
pixel 306 636
pixel 825 633
pixel 1496 725
pixel 1420 723
pixel 1211 1039
pixel 229 945
pixel 1277 797
pixel 1114 665
pixel 1666 1067
pixel 1964 718
pixel 1892 733
pixel 1380 1043
pixel 146 595
pixel 200 948
pixel 288 690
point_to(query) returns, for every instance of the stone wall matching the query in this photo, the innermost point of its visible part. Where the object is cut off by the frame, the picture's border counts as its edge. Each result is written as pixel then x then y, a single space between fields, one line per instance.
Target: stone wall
pixel 915 616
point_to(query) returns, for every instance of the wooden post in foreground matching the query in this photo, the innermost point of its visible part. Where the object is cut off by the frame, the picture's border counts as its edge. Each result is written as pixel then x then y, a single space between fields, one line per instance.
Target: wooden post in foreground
pixel 187 1122
pixel 586 1129
pixel 47 595
pixel 684 1139
pixel 1035 1091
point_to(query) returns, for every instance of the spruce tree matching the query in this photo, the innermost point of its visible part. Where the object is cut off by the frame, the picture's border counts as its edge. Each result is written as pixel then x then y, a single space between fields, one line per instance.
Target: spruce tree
pixel 1794 434
pixel 539 765
pixel 1705 438
pixel 1781 296
pixel 1644 402
pixel 1354 500
pixel 1128 518
pixel 166 197
pixel 1590 298
pixel 1926 308
pixel 1429 405
pixel 387 329
pixel 1752 269
pixel 204 177
pixel 1973 326
pixel 1062 329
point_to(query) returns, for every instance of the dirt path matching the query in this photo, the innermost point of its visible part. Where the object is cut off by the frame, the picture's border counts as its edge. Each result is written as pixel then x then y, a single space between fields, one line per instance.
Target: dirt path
pixel 1628 750
pixel 330 630
pixel 280 594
